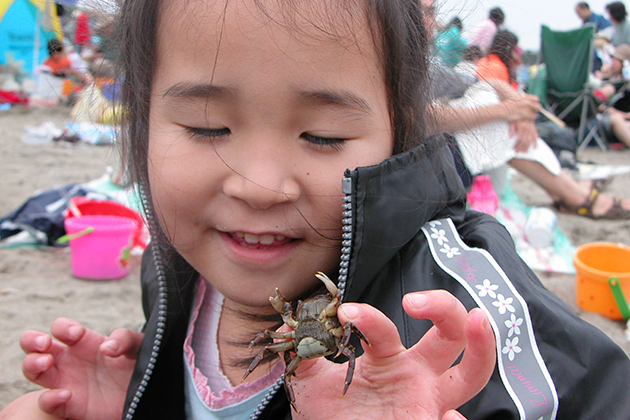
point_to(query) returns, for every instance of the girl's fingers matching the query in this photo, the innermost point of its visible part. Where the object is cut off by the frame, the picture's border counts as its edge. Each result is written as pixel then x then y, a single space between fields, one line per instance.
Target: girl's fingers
pixel 53 401
pixel 67 331
pixel 26 407
pixel 35 341
pixel 122 342
pixel 453 415
pixel 379 330
pixel 445 341
pixel 463 381
pixel 35 364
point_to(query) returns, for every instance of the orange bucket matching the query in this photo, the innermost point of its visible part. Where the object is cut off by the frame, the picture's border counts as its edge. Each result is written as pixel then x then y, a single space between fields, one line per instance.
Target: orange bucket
pixel 595 264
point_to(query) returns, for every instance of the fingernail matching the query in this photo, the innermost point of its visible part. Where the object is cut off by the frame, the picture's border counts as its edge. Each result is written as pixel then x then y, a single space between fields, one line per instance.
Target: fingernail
pixel 42 362
pixel 350 311
pixel 417 300
pixel 111 345
pixel 64 395
pixel 41 342
pixel 74 331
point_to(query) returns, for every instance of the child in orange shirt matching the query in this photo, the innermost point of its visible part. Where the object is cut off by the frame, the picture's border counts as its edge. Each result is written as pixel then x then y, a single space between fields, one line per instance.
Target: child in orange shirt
pixel 60 65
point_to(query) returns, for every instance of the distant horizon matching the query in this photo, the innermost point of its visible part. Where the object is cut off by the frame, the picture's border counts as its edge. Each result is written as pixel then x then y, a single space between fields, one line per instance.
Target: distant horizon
pixel 523 17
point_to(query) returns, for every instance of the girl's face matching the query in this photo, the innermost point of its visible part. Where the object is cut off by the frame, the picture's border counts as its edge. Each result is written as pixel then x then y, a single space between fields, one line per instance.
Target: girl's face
pixel 254 118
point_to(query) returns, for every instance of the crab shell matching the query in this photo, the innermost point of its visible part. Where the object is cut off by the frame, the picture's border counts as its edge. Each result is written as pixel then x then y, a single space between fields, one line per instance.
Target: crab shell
pixel 316 332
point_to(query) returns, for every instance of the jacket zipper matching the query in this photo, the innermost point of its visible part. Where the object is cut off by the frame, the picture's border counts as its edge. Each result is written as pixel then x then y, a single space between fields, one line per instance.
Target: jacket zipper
pixel 346 249
pixel 162 308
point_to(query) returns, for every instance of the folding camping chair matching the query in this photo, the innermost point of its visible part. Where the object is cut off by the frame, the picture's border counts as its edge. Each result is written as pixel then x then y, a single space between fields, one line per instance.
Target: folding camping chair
pixel 568 64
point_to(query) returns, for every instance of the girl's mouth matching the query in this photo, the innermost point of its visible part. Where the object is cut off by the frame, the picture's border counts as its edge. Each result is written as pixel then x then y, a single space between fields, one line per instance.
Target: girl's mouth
pixel 266 241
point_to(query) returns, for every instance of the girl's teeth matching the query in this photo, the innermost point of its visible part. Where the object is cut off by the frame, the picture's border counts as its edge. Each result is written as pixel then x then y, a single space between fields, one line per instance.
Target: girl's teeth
pixel 262 239
pixel 251 239
pixel 266 239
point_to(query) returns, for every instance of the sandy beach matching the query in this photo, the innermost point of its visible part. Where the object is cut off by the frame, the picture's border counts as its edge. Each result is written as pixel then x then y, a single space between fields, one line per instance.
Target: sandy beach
pixel 36 286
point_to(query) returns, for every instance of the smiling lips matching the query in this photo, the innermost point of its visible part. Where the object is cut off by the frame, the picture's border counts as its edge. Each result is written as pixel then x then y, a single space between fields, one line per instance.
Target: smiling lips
pixel 267 241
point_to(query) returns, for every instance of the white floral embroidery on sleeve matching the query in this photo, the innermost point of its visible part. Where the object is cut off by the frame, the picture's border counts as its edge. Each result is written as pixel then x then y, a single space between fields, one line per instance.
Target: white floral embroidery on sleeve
pixel 450 252
pixel 504 304
pixel 439 235
pixel 487 288
pixel 511 348
pixel 513 324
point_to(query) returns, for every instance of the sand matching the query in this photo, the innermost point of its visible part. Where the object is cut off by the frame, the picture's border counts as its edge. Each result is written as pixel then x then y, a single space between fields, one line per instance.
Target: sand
pixel 36 286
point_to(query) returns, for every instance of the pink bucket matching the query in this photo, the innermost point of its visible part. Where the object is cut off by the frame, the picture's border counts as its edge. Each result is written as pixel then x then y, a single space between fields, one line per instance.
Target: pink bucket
pixel 102 252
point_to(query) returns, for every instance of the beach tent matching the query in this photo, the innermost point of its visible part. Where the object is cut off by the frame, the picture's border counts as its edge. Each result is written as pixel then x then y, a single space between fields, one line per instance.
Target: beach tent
pixel 25 28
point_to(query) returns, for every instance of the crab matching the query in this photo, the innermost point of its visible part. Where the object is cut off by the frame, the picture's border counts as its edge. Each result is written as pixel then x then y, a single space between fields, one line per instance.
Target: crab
pixel 316 332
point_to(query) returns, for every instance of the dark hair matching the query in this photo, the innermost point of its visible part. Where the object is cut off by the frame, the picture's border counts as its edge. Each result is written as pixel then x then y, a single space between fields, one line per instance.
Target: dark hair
pixel 400 39
pixel 497 16
pixel 54 45
pixel 456 21
pixel 472 52
pixel 583 5
pixel 617 11
pixel 503 45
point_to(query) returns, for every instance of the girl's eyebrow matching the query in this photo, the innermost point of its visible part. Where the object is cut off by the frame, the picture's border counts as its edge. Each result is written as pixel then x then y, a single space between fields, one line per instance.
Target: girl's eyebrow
pixel 342 99
pixel 201 91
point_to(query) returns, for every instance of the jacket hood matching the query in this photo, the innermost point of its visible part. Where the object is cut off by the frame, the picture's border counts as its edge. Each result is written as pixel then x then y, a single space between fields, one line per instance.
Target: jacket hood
pixel 391 201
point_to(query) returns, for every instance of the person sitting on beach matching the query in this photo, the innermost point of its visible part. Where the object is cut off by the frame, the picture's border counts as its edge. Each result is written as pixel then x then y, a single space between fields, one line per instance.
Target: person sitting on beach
pixel 487 142
pixel 583 10
pixel 470 58
pixel 483 33
pixel 587 16
pixel 450 44
pixel 621 26
pixel 611 87
pixel 60 65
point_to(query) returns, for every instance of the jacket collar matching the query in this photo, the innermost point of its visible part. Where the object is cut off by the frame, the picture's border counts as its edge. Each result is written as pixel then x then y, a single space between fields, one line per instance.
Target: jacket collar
pixel 391 201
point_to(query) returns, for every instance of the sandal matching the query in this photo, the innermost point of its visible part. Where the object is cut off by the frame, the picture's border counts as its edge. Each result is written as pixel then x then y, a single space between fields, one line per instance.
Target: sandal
pixel 615 212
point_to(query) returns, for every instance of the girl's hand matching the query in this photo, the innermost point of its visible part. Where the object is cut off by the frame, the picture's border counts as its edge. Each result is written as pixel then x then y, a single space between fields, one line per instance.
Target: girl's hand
pixel 391 382
pixel 87 373
pixel 25 408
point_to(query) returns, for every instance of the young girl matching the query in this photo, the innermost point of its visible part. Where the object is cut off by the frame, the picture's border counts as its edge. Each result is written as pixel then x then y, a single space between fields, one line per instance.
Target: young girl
pixel 244 117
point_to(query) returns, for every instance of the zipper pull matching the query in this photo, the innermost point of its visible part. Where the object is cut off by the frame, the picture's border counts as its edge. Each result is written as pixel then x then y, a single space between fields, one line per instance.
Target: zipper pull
pixel 346 185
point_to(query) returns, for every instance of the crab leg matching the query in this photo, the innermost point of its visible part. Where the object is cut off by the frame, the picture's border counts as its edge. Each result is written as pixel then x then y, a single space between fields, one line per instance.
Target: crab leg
pixel 271 334
pixel 276 348
pixel 347 333
pixel 291 366
pixel 349 353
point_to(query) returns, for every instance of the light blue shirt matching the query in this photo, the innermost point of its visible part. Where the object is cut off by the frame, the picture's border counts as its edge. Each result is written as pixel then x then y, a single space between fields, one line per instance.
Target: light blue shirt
pixel 196 409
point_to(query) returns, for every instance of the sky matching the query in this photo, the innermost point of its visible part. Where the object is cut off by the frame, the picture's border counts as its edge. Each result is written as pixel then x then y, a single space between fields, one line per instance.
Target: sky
pixel 523 17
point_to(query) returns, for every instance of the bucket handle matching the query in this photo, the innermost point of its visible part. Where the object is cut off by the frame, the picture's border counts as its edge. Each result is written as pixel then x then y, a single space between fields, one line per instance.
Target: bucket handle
pixel 68 238
pixel 613 282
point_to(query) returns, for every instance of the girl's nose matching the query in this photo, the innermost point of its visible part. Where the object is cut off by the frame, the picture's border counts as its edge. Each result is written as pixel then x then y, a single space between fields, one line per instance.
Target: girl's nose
pixel 262 188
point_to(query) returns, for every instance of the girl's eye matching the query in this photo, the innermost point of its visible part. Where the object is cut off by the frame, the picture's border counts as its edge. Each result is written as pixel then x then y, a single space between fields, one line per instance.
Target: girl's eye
pixel 334 143
pixel 207 133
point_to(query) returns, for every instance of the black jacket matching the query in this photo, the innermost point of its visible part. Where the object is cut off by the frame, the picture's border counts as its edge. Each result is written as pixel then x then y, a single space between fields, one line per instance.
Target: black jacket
pixel 386 254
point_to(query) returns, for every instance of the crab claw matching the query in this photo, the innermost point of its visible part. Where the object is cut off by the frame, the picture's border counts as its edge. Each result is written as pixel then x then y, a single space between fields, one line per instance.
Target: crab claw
pixel 330 286
pixel 279 303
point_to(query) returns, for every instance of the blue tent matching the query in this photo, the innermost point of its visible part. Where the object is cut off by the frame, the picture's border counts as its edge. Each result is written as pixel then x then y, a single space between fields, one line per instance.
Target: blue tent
pixel 25 28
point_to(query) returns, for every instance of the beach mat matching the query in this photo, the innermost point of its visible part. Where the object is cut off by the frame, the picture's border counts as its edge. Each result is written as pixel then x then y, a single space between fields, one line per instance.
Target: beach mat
pixel 558 258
